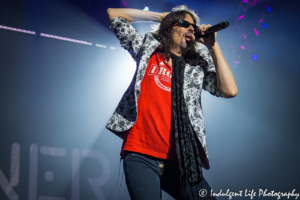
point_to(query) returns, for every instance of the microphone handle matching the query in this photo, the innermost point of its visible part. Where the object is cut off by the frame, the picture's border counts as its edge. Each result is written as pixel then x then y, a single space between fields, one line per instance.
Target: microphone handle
pixel 213 29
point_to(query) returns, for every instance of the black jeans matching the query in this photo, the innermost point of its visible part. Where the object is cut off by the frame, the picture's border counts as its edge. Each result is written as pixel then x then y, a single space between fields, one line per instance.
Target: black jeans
pixel 146 176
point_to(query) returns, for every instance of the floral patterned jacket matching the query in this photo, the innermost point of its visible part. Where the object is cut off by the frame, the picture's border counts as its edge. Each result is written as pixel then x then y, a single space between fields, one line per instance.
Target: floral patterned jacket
pixel 199 73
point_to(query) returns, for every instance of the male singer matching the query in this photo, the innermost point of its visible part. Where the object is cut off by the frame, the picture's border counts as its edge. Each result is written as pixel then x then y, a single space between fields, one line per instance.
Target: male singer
pixel 160 117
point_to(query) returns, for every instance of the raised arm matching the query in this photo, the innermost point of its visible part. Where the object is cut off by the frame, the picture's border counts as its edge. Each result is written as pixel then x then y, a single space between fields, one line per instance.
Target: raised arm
pixel 224 77
pixel 128 36
pixel 134 15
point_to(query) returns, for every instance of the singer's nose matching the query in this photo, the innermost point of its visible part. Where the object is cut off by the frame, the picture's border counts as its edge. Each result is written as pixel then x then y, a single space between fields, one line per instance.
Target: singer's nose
pixel 191 29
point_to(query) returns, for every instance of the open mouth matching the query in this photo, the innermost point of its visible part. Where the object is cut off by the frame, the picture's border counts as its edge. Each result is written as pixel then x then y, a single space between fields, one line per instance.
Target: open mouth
pixel 188 37
pixel 188 40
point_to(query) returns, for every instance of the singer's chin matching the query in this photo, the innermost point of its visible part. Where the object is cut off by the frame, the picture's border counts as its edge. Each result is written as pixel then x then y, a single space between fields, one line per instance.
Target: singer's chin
pixel 187 44
pixel 191 44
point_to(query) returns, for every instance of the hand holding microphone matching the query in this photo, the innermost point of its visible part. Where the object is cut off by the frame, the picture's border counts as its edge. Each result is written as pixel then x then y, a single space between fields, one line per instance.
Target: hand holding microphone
pixel 209 39
pixel 212 29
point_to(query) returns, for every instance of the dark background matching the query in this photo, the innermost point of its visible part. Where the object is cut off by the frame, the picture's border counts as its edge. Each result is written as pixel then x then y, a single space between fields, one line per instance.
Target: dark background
pixel 61 94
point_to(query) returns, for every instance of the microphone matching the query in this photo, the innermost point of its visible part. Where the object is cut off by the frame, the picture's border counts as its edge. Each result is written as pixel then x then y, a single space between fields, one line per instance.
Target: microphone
pixel 213 29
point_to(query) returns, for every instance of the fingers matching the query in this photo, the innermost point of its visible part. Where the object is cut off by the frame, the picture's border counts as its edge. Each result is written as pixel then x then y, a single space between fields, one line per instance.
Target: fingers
pixel 203 28
pixel 193 36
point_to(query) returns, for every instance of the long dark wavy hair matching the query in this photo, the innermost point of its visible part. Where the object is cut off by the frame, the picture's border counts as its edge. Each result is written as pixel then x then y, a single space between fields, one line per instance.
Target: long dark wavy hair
pixel 165 32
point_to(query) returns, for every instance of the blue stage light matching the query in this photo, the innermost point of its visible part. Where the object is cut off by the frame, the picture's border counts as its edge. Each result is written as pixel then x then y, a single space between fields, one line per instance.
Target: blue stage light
pixel 264 25
pixel 269 9
pixel 146 8
pixel 254 57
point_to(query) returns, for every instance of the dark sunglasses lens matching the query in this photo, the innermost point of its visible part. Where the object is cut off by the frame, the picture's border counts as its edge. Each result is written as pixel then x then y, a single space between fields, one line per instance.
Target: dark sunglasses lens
pixel 186 24
pixel 183 23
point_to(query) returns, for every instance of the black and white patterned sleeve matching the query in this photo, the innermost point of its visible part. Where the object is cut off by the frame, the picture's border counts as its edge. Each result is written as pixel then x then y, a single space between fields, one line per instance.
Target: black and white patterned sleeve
pixel 129 37
pixel 210 80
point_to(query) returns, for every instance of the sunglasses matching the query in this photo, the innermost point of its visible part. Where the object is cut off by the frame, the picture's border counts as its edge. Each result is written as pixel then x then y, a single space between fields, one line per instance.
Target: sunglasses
pixel 186 24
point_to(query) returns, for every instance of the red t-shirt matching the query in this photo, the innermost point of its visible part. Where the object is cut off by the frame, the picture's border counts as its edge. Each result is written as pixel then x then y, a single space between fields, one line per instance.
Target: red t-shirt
pixel 152 133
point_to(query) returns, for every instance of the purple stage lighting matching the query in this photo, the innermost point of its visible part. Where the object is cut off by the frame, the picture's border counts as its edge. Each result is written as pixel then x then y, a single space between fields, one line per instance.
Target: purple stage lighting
pixel 254 57
pixel 100 45
pixel 65 39
pixel 253 3
pixel 255 31
pixel 17 30
pixel 241 17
